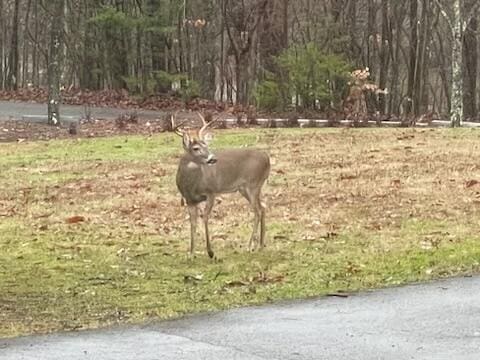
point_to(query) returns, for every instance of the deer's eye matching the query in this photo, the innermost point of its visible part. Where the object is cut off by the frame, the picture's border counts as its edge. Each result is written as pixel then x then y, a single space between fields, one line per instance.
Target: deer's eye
pixel 196 149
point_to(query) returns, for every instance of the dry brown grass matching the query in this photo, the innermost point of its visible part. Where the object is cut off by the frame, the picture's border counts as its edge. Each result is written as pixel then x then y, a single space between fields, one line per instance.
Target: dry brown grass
pixel 376 179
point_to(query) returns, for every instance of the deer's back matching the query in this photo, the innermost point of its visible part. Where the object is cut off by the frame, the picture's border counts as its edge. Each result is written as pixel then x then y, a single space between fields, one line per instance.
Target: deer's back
pixel 247 165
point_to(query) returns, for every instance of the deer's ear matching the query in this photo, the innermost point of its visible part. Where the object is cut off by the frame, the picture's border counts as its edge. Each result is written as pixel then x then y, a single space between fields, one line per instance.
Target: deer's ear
pixel 208 137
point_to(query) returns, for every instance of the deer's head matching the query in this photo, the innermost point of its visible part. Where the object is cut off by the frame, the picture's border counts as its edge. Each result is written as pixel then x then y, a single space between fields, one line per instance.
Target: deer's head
pixel 195 142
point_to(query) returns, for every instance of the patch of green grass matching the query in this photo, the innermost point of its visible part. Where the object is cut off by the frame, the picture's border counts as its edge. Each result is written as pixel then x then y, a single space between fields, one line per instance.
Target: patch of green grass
pixel 362 213
pixel 122 148
pixel 99 149
pixel 60 280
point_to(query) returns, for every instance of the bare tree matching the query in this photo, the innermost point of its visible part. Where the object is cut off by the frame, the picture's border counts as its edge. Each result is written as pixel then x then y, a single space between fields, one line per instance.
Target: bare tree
pixel 384 52
pixel 13 63
pixel 457 24
pixel 470 53
pixel 242 21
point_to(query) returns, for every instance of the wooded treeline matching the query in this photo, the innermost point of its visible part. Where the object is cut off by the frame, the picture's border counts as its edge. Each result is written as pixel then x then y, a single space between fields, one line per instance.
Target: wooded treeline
pixel 276 54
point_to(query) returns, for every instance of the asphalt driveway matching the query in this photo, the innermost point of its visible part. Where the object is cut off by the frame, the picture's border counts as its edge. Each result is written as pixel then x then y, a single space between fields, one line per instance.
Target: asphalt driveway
pixel 18 110
pixel 439 320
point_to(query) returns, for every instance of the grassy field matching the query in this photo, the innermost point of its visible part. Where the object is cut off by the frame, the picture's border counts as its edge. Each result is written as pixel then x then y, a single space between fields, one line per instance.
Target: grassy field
pixel 92 231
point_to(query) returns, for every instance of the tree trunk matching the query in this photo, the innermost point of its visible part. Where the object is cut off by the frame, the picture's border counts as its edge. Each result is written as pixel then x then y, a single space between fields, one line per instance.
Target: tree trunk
pixel 55 61
pixel 285 23
pixel 221 79
pixel 35 60
pixel 2 46
pixel 456 111
pixel 371 36
pixel 355 49
pixel 396 24
pixel 418 106
pixel 470 51
pixel 13 63
pixel 424 74
pixel 25 49
pixel 384 54
pixel 413 56
pixel 443 73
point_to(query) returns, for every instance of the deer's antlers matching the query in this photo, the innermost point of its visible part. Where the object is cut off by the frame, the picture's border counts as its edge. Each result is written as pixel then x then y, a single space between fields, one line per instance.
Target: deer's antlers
pixel 176 129
pixel 201 132
pixel 205 124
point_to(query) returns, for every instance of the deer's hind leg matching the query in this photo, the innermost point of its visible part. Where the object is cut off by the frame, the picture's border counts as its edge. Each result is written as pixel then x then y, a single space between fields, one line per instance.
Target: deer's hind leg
pixel 253 197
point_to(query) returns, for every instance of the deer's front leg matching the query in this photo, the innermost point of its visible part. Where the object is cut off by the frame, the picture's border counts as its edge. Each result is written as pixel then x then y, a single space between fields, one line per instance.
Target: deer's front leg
pixel 193 213
pixel 206 213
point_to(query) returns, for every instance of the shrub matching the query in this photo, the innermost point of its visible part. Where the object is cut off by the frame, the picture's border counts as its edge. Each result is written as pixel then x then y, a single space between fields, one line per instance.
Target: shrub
pixel 267 95
pixel 316 80
pixel 189 90
pixel 135 85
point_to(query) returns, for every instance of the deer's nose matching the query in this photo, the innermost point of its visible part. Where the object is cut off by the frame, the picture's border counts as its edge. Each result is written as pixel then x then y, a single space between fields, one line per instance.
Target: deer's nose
pixel 211 159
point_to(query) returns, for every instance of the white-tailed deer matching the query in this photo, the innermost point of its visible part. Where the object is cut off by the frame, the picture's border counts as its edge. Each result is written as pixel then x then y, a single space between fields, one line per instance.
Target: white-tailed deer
pixel 203 175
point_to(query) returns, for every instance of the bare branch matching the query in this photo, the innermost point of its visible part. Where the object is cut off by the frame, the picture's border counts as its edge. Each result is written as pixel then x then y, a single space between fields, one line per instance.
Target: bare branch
pixel 471 14
pixel 451 22
pixel 446 17
pixel 229 30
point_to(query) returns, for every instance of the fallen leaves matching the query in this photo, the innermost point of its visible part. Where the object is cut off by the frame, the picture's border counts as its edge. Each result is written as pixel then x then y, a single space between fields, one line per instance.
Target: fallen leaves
pixel 328 235
pixel 471 183
pixel 266 278
pixel 75 219
pixel 111 98
pixel 261 277
pixel 348 176
pixel 396 182
pixel 406 136
pixel 192 279
pixel 235 283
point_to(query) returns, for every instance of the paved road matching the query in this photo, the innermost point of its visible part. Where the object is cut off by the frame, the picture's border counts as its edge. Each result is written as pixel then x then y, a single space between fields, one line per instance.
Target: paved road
pixel 436 321
pixel 16 110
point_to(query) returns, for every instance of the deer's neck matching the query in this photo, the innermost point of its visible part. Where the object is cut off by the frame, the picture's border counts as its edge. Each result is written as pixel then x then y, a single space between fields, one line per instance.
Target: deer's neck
pixel 191 180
